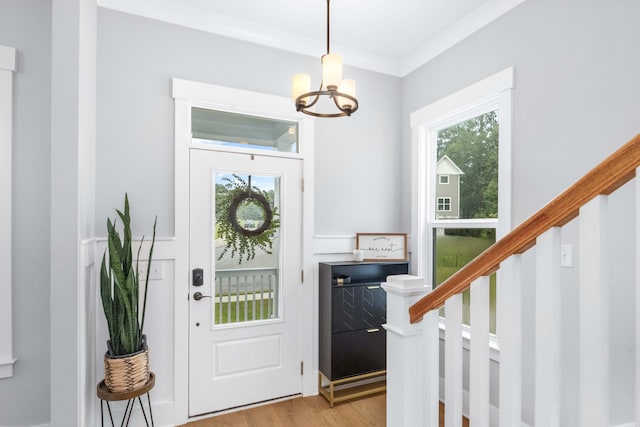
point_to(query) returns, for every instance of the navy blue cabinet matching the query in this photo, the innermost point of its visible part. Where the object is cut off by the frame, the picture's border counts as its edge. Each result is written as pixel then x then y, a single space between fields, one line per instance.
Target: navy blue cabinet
pixel 352 312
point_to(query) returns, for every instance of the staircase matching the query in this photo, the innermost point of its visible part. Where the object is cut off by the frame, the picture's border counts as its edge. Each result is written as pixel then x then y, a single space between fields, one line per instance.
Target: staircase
pixel 568 338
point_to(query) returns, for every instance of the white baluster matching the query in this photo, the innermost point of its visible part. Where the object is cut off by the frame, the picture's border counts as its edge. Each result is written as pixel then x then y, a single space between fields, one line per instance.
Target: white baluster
pixel 479 354
pixel 548 318
pixel 509 324
pixel 453 362
pixel 594 317
pixel 431 362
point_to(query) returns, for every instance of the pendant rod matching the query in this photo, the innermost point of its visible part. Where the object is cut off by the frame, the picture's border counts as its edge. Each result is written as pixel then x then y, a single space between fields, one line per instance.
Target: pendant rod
pixel 328 26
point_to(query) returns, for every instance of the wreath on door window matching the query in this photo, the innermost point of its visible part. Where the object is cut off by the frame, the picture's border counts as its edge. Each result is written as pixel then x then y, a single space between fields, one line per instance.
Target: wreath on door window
pixel 245 218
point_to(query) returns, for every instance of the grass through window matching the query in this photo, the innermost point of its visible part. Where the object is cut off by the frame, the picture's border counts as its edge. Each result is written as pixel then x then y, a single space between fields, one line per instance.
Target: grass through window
pixel 235 311
pixel 453 250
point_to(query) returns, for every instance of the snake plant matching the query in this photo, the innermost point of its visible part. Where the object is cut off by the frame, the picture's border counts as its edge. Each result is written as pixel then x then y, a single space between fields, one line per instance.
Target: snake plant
pixel 119 287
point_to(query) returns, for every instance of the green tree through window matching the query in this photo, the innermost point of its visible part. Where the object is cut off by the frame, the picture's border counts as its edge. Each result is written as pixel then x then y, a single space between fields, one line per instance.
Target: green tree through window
pixel 473 146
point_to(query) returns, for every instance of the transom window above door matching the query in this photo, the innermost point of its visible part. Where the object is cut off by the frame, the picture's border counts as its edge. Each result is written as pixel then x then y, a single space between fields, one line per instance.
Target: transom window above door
pixel 243 131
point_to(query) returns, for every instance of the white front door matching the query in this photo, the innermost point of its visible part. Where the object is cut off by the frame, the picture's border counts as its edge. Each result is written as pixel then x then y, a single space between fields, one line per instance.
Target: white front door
pixel 246 262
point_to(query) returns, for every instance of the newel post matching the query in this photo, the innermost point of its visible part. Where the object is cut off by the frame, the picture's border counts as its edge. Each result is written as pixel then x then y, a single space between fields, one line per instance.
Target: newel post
pixel 412 356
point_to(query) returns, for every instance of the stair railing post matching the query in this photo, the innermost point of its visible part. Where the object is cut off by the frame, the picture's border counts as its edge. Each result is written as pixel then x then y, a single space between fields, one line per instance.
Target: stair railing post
pixel 412 356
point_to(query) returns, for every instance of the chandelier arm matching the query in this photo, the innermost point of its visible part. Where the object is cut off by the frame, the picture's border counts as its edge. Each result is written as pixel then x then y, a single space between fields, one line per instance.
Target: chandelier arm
pixel 323 115
pixel 347 111
pixel 300 101
pixel 317 94
pixel 301 107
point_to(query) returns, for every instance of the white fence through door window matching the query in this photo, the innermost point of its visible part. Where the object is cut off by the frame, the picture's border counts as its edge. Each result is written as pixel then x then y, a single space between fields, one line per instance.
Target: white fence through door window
pixel 243 295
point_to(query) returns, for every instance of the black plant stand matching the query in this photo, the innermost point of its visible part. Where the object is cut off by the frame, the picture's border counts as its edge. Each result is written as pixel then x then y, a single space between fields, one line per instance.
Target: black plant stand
pixel 105 395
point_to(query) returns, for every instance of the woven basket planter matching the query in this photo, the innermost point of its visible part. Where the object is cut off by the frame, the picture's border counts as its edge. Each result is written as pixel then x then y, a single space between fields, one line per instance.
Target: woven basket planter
pixel 127 372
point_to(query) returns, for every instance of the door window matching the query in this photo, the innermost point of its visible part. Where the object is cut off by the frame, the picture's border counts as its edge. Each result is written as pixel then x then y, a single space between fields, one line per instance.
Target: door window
pixel 247 247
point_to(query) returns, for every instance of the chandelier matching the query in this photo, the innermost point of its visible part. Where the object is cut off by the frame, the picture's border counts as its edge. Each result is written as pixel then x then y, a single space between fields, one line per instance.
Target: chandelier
pixel 333 87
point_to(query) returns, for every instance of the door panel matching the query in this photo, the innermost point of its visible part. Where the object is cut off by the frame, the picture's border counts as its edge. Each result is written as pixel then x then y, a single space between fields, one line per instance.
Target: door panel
pixel 247 355
pixel 244 333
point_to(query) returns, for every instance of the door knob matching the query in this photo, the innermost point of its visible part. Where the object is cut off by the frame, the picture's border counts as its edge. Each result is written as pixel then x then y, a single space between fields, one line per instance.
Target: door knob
pixel 198 296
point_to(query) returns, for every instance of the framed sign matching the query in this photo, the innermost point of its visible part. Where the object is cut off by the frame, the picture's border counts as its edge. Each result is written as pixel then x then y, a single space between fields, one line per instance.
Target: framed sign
pixel 382 246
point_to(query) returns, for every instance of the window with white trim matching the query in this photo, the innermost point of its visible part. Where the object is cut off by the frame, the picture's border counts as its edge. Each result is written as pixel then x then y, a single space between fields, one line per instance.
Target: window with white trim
pixel 7 67
pixel 472 128
pixel 444 179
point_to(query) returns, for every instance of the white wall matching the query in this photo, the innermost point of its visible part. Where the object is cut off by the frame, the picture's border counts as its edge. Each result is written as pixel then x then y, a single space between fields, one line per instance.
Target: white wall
pixel 575 101
pixel 73 139
pixel 137 58
pixel 26 25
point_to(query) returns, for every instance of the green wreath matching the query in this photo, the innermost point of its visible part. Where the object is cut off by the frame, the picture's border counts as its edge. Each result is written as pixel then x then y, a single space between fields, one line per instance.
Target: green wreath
pixel 236 196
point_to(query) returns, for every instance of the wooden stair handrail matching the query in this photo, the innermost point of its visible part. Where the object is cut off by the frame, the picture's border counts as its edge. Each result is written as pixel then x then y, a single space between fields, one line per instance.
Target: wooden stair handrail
pixel 605 178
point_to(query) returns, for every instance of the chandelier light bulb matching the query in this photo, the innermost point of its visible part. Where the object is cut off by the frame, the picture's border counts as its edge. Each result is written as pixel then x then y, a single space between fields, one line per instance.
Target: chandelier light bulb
pixel 331 71
pixel 301 85
pixel 347 87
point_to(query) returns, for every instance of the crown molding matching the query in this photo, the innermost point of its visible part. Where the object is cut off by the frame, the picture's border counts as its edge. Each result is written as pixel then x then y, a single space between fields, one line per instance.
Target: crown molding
pixel 476 20
pixel 182 14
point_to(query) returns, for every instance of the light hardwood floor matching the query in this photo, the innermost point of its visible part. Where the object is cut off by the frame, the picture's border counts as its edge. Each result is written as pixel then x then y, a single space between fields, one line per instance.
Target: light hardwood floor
pixel 311 411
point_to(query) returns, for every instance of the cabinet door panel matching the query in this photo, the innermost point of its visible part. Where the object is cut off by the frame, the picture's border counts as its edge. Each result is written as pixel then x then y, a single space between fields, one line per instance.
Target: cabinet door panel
pixel 358 307
pixel 358 352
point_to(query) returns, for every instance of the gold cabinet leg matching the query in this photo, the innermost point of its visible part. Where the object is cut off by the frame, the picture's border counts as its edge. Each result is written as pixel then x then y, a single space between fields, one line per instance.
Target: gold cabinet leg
pixel 350 389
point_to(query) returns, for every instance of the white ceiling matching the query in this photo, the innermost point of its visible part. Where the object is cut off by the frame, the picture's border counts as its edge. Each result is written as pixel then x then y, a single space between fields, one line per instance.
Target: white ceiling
pixel 393 37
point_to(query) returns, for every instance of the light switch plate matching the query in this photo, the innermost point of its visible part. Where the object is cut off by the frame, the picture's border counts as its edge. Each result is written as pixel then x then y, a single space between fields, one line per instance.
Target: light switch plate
pixel 156 273
pixel 566 256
